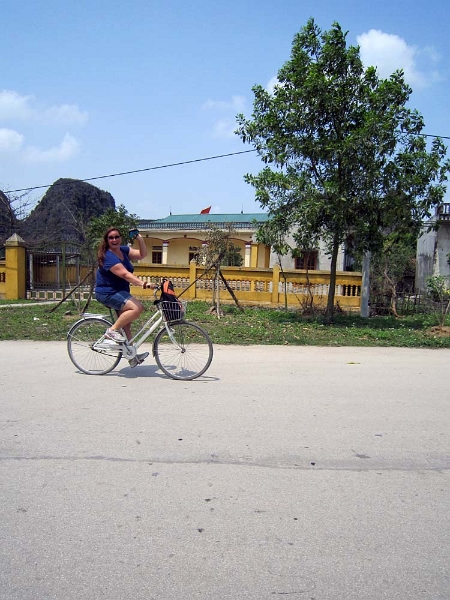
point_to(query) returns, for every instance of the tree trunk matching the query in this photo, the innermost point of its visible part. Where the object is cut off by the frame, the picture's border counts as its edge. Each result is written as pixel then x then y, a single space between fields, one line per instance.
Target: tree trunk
pixel 393 307
pixel 214 300
pixel 392 288
pixel 230 291
pixel 310 301
pixel 332 290
pixel 217 285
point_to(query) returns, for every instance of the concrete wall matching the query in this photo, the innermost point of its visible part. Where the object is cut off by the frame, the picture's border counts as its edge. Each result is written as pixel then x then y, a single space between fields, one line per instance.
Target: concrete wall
pixel 324 259
pixel 431 257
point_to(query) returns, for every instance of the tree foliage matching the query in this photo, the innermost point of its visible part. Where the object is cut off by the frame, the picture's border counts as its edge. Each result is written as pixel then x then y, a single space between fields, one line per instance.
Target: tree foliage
pixel 112 217
pixel 346 154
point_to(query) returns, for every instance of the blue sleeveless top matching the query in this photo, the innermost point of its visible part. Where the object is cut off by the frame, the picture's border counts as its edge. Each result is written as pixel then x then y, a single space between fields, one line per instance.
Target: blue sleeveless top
pixel 108 283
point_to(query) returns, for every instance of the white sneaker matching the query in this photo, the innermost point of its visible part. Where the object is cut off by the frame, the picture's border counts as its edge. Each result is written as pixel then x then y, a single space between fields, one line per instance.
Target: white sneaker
pixel 107 345
pixel 138 359
pixel 114 335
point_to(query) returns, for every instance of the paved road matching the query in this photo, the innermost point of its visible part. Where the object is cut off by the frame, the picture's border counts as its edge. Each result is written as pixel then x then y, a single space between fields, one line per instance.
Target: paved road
pixel 309 473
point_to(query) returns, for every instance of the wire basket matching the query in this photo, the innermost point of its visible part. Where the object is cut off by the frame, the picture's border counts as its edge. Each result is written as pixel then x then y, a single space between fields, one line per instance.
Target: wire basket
pixel 173 310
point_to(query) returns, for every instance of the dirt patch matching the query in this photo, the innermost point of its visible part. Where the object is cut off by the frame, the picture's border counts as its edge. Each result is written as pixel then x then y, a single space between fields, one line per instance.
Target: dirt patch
pixel 71 317
pixel 439 331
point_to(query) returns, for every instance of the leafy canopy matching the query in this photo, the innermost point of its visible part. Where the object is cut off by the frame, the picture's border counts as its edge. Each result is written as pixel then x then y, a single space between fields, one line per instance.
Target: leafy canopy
pixel 118 217
pixel 346 154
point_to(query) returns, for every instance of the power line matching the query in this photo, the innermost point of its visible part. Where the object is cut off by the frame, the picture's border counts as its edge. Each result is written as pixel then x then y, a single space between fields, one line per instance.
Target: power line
pixel 177 164
pixel 186 162
pixel 443 137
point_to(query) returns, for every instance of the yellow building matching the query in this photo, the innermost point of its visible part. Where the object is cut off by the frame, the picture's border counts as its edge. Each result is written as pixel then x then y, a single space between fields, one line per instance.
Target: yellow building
pixel 176 239
pixel 172 244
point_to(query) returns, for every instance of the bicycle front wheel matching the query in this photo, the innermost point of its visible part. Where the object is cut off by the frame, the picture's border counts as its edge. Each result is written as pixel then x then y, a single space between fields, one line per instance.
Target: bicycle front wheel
pixel 87 352
pixel 185 352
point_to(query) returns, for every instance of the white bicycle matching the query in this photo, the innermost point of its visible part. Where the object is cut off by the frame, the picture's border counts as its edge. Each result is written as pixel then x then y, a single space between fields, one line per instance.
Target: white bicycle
pixel 182 350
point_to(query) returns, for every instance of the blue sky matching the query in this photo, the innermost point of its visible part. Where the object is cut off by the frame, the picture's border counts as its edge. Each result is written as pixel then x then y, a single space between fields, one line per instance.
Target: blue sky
pixel 95 87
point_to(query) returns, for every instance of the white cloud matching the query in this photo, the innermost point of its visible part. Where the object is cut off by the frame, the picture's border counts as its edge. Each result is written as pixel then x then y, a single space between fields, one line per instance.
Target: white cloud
pixel 68 148
pixel 10 141
pixel 13 106
pixel 270 87
pixel 66 114
pixel 236 103
pixel 390 52
pixel 17 107
pixel 224 128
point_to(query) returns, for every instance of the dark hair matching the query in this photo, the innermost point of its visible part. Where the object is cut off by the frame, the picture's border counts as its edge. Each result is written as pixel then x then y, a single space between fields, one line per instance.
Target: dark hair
pixel 104 245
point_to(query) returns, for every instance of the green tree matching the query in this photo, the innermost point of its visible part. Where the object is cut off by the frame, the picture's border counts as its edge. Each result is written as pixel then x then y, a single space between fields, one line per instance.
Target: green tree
pixel 96 227
pixel 347 156
pixel 118 217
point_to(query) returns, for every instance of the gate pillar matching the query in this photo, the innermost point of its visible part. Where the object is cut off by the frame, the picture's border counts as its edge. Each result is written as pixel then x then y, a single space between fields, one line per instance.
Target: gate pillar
pixel 15 268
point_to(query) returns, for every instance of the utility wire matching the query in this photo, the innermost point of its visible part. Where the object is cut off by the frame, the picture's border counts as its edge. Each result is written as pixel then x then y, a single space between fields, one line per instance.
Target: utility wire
pixel 443 137
pixel 186 162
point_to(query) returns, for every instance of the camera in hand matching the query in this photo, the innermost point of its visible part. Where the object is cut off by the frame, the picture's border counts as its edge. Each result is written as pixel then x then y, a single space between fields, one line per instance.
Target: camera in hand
pixel 133 233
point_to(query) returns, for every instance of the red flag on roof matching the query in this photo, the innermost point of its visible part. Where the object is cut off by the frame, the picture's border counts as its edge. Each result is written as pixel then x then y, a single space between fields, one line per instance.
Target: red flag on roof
pixel 205 211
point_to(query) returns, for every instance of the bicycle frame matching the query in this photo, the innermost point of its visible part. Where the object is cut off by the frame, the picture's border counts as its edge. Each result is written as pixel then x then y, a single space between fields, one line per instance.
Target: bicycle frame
pixel 155 320
pixel 130 347
pixel 182 350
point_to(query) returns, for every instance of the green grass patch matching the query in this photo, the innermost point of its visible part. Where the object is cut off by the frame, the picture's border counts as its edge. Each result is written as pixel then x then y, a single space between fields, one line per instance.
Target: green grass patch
pixel 256 325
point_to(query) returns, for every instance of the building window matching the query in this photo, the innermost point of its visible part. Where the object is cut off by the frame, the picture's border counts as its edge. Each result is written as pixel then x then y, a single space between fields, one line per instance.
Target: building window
pixel 307 261
pixel 157 255
pixel 193 252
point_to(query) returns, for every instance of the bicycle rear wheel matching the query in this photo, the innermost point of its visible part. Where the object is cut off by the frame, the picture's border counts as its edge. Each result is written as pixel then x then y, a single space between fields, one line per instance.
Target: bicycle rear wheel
pixel 185 353
pixel 85 351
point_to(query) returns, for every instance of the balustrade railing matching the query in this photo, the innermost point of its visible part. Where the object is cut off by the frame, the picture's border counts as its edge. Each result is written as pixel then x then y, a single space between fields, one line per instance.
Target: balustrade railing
pixel 249 285
pixel 443 212
pixel 259 285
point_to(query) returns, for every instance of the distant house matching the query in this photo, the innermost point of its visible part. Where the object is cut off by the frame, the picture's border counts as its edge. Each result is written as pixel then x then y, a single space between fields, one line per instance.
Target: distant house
pixel 176 239
pixel 433 248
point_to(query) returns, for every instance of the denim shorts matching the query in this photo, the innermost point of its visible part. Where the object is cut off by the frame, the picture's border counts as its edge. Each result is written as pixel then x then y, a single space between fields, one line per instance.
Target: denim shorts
pixel 116 300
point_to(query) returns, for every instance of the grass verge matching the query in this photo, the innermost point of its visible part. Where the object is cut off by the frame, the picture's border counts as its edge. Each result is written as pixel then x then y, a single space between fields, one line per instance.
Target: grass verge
pixel 256 325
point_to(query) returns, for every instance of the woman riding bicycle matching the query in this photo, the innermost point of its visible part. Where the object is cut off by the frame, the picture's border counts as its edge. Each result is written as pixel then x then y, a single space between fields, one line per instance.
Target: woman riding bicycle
pixel 112 287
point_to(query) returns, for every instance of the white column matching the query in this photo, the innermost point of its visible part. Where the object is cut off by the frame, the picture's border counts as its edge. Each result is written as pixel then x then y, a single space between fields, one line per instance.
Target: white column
pixel 165 251
pixel 248 253
pixel 365 285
